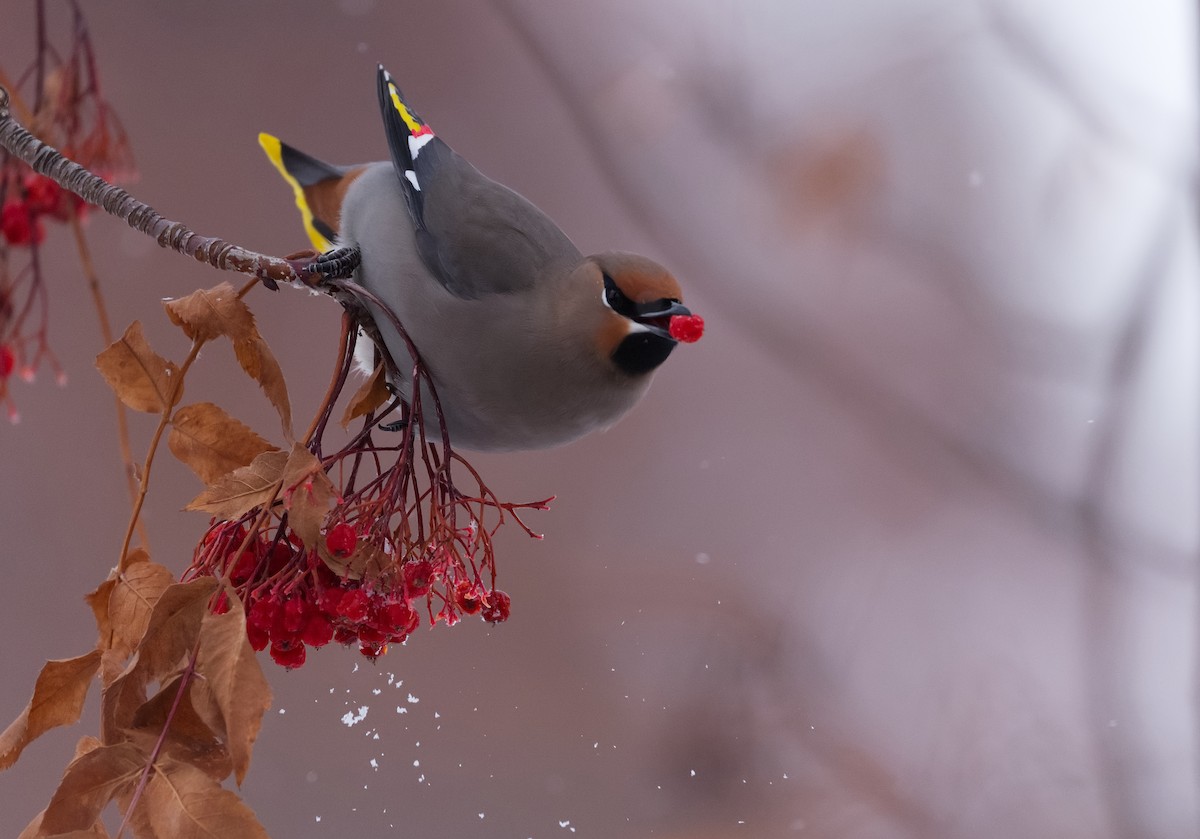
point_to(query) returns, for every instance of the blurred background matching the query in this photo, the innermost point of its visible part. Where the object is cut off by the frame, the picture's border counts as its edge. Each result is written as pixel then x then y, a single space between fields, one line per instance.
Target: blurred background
pixel 905 547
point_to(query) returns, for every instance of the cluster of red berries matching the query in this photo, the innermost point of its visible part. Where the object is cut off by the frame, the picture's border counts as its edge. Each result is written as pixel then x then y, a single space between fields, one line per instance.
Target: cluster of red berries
pixel 30 200
pixel 293 600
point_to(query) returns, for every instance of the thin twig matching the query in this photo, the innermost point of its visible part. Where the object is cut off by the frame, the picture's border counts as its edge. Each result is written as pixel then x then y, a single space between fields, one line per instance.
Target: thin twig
pixel 45 160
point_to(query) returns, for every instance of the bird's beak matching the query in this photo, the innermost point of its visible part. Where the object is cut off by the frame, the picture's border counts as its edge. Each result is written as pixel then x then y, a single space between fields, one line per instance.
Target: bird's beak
pixel 656 315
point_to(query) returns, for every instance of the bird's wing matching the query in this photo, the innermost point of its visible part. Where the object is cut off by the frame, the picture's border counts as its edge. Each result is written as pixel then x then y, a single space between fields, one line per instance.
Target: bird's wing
pixel 474 235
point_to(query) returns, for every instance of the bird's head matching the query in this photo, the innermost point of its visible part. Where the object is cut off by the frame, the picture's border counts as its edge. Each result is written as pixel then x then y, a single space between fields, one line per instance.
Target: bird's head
pixel 642 316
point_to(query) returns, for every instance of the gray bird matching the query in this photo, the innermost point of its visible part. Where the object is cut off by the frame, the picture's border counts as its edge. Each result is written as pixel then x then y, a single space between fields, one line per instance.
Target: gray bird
pixel 529 343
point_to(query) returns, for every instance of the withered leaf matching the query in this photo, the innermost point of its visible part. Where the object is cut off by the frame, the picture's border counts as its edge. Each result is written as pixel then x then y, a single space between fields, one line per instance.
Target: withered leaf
pixel 142 379
pixel 208 313
pixel 174 626
pixel 236 683
pixel 182 802
pixel 90 782
pixel 308 493
pixel 98 600
pixel 367 562
pixel 120 699
pixel 243 489
pixel 189 738
pixel 34 831
pixel 133 595
pixel 58 696
pixel 211 442
pixel 371 396
pixel 259 363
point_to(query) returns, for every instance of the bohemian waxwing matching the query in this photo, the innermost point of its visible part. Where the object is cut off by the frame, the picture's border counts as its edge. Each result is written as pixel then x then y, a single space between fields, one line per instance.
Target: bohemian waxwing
pixel 529 343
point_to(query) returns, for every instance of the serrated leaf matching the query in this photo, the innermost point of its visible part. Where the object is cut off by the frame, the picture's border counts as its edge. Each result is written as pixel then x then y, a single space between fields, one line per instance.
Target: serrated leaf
pixel 170 635
pixel 141 378
pixel 98 601
pixel 368 562
pixel 308 494
pixel 372 395
pixel 174 626
pixel 183 802
pixel 243 489
pixel 212 443
pixel 34 831
pixel 120 699
pixel 259 363
pixel 89 783
pixel 189 738
pixel 236 682
pixel 134 593
pixel 58 696
pixel 209 313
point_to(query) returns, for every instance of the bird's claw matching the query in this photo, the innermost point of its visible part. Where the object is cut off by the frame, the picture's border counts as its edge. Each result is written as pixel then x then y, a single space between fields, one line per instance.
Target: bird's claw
pixel 337 264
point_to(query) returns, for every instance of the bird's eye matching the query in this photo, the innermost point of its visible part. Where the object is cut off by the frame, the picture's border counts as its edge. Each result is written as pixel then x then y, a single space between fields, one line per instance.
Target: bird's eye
pixel 615 299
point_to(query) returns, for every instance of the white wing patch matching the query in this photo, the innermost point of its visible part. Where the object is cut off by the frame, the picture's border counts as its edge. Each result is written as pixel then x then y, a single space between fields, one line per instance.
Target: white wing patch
pixel 416 143
pixel 412 179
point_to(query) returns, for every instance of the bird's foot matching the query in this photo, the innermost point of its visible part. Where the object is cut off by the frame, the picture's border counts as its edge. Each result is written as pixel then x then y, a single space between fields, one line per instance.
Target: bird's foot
pixel 337 264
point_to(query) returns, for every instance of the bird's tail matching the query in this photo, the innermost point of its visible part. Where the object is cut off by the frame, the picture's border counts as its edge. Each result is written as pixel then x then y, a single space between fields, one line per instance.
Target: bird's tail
pixel 319 188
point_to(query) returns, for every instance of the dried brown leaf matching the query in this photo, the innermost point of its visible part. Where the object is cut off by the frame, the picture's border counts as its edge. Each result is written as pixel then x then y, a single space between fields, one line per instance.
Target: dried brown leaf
pixel 142 379
pixel 189 738
pixel 57 699
pixel 134 593
pixel 86 744
pixel 98 600
pixel 368 562
pixel 371 396
pixel 174 626
pixel 212 443
pixel 120 700
pixel 259 363
pixel 236 682
pixel 244 488
pixel 89 783
pixel 182 802
pixel 34 831
pixel 170 635
pixel 208 313
pixel 308 494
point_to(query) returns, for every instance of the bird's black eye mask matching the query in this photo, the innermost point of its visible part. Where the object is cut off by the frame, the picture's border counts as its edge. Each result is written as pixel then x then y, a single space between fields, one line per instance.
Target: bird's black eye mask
pixel 654 313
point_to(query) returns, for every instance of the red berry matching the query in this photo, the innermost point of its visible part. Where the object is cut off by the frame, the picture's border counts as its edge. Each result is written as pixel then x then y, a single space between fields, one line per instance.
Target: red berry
pixel 469 596
pixel 344 635
pixel 295 614
pixel 220 605
pixel 244 568
pixel 289 654
pixel 258 637
pixel 19 226
pixel 399 618
pixel 329 600
pixel 368 634
pixel 262 614
pixel 687 328
pixel 318 631
pixel 341 540
pixel 281 554
pixel 43 195
pixel 8 360
pixel 372 651
pixel 497 607
pixel 353 605
pixel 418 578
